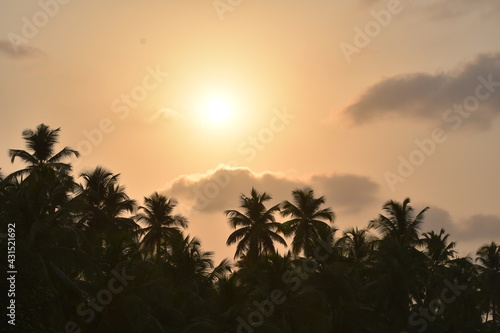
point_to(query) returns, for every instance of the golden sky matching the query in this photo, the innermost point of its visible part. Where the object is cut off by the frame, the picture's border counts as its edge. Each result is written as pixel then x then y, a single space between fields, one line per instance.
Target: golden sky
pixel 365 101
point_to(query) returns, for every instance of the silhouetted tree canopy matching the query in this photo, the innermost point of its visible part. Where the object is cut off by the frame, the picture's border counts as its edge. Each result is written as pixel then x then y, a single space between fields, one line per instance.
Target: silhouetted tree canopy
pixel 89 259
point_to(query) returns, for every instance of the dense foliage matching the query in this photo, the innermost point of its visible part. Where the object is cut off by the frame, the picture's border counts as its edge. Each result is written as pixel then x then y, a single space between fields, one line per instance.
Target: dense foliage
pixel 90 259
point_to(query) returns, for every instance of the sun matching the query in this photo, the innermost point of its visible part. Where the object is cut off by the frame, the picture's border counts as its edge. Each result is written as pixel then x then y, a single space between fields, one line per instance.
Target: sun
pixel 217 110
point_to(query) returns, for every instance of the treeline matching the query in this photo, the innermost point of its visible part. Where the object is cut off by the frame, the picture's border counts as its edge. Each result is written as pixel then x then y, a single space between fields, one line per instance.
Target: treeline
pixel 91 259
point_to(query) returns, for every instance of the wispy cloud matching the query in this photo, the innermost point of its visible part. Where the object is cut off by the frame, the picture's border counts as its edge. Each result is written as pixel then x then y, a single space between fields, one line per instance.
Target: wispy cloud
pixel 162 115
pixel 445 9
pixel 18 52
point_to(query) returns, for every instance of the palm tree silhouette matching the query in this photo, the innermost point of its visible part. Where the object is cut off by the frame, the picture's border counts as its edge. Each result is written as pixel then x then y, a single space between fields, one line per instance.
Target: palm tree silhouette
pixel 41 142
pixel 190 264
pixel 104 211
pixel 402 226
pixel 356 244
pixel 259 229
pixel 307 223
pixel 437 247
pixel 37 199
pixel 73 239
pixel 160 224
pixel 105 201
pixel 399 267
pixel 489 258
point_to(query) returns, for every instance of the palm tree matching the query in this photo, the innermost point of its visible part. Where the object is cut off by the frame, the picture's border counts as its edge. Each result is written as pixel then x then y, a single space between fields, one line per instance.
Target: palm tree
pixel 104 211
pixel 160 223
pixel 47 187
pixel 356 244
pixel 402 226
pixel 188 261
pixel 41 142
pixel 307 223
pixel 40 207
pixel 437 247
pixel 489 258
pixel 105 201
pixel 190 275
pixel 398 265
pixel 259 229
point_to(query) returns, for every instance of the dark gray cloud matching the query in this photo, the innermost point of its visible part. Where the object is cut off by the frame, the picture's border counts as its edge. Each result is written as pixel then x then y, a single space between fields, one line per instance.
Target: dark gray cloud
pixel 430 96
pixel 220 189
pixel 445 9
pixel 481 227
pixel 473 231
pixel 437 219
pixel 351 193
pixel 19 51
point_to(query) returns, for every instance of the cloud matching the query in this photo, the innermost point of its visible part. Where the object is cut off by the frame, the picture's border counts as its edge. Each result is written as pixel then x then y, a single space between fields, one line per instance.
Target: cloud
pixel 444 9
pixel 437 218
pixel 19 51
pixel 366 3
pixel 350 196
pixel 351 193
pixel 429 96
pixel 481 227
pixel 473 231
pixel 219 189
pixel 164 114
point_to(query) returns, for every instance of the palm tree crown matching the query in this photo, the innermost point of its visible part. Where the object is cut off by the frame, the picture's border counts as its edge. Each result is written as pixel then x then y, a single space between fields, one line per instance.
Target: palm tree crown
pixel 437 247
pixel 356 243
pixel 307 223
pixel 259 229
pixel 103 209
pixel 489 258
pixel 401 225
pixel 160 222
pixel 41 142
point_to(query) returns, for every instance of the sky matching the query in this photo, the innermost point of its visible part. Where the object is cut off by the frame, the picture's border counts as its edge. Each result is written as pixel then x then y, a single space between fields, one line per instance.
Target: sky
pixel 364 101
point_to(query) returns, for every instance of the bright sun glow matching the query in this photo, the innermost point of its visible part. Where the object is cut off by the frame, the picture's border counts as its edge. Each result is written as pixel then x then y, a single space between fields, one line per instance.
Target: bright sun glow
pixel 217 110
